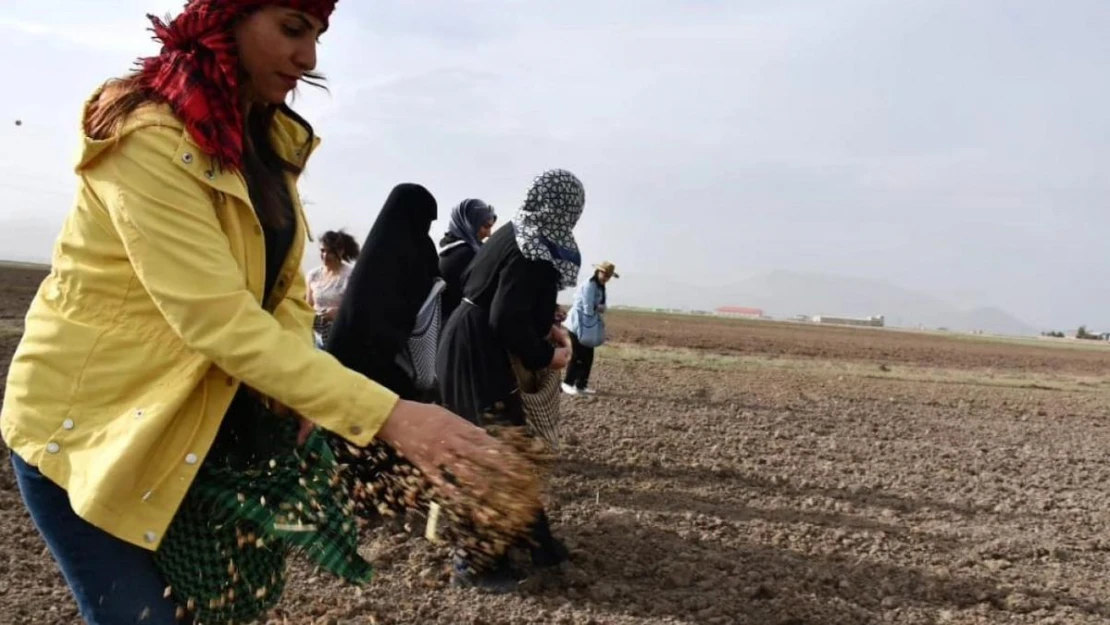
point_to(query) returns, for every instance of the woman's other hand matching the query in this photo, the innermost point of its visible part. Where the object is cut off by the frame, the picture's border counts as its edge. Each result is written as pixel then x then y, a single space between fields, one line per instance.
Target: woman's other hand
pixel 304 430
pixel 304 426
pixel 560 336
pixel 561 358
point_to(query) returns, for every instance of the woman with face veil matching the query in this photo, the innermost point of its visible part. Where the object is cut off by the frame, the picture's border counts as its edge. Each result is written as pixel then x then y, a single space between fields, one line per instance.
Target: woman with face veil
pixel 395 271
pixel 391 280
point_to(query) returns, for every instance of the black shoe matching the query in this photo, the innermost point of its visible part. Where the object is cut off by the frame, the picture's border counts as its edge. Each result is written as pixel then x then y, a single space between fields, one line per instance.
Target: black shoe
pixel 551 554
pixel 498 580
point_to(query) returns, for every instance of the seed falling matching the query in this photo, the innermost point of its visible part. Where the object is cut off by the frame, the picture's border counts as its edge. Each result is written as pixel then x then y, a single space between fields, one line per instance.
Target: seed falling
pixel 491 505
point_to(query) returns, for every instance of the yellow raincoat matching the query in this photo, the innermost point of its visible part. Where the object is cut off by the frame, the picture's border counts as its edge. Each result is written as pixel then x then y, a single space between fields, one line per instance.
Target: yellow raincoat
pixel 149 321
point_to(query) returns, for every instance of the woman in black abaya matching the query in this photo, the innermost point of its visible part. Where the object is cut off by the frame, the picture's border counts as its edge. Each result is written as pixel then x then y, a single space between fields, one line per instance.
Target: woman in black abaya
pixel 508 311
pixel 395 271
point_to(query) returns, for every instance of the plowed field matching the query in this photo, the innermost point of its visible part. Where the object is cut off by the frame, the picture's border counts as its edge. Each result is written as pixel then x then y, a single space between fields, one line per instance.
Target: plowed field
pixel 760 473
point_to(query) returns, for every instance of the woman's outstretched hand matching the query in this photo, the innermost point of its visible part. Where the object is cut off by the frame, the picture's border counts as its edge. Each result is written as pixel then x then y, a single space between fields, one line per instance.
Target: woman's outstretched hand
pixel 435 439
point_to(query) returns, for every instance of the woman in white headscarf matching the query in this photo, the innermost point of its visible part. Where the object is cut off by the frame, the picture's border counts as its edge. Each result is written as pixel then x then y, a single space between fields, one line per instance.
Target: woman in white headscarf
pixel 508 311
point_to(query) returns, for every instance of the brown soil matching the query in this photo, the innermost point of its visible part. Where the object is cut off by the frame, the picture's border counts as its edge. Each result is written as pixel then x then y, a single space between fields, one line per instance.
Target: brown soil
pixel 853 344
pixel 767 495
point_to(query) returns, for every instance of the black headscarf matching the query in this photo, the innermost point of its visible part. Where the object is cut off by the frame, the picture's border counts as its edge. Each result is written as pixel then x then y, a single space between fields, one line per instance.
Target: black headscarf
pixel 391 279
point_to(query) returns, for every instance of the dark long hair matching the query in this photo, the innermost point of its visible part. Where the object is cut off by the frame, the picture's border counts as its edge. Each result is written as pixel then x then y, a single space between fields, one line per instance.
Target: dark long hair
pixel 341 244
pixel 264 169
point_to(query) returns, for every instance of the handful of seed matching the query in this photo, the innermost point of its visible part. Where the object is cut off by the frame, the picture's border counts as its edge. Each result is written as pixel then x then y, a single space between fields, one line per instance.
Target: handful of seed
pixel 484 509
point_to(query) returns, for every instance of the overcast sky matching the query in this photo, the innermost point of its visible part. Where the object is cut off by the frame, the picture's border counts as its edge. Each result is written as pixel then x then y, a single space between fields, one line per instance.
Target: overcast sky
pixel 957 147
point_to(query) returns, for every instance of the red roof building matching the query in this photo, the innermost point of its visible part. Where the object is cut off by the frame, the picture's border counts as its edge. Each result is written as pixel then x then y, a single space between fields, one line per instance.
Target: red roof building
pixel 739 311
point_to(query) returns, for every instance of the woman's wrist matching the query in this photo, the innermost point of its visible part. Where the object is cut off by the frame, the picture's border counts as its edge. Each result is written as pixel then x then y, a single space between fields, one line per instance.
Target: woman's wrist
pixel 394 423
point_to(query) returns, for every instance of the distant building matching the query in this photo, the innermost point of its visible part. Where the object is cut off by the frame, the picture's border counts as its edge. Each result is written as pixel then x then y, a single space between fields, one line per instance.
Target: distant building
pixel 867 322
pixel 739 311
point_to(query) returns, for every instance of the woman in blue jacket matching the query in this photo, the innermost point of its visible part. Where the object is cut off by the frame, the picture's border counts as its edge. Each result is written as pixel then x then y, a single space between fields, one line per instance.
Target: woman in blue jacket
pixel 586 324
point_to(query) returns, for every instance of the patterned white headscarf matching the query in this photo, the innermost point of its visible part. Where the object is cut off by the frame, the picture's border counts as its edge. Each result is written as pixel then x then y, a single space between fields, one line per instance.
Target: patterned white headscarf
pixel 544 225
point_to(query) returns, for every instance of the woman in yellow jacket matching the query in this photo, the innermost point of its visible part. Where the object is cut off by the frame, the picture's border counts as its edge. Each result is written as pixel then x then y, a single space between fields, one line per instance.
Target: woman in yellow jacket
pixel 175 312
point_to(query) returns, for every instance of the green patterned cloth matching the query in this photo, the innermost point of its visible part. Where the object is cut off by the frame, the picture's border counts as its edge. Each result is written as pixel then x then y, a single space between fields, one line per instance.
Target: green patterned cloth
pixel 257 498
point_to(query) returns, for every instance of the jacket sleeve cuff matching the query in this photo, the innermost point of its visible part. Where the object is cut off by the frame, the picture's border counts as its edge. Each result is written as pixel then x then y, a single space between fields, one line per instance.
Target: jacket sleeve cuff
pixel 368 413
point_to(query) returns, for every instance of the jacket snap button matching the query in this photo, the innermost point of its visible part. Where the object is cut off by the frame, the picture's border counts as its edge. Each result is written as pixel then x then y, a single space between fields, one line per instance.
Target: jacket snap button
pixel 150 537
pixel 186 158
pixel 53 448
pixel 67 424
pixel 211 175
pixel 356 430
pixel 191 459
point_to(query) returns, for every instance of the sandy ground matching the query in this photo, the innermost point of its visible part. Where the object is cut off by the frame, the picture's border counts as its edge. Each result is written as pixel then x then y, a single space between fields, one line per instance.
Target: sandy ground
pixel 761 473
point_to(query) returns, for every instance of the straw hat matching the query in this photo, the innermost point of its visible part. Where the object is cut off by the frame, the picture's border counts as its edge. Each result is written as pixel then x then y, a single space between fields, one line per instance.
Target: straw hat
pixel 608 269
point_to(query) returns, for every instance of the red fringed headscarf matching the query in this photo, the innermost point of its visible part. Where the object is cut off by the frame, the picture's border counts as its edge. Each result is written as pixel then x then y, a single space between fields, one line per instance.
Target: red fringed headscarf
pixel 197 71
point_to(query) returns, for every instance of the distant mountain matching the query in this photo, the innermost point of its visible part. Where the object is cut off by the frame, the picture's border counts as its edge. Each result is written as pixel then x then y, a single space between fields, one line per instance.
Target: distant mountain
pixel 992 320
pixel 787 294
pixel 647 291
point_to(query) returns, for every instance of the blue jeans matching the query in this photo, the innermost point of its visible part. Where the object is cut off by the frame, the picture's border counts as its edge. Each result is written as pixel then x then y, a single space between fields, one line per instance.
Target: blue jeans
pixel 114 582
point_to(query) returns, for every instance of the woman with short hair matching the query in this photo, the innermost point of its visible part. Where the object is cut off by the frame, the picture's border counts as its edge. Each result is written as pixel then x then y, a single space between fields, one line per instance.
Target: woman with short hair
pixel 328 283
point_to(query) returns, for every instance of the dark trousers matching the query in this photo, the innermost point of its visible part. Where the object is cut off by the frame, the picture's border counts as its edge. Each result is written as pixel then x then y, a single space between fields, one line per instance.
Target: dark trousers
pixel 113 582
pixel 581 363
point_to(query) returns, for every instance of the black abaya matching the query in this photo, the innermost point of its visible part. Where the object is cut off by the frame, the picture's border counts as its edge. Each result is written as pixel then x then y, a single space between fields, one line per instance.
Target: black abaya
pixel 509 308
pixel 389 283
pixel 391 279
pixel 455 257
